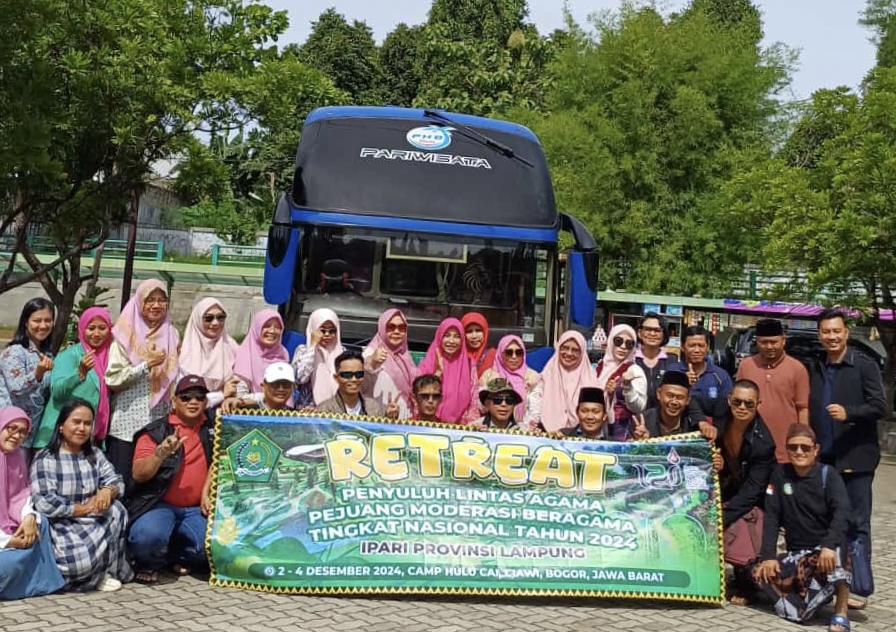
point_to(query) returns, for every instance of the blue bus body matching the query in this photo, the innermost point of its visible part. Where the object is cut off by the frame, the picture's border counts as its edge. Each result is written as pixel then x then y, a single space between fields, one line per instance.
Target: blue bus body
pixel 434 213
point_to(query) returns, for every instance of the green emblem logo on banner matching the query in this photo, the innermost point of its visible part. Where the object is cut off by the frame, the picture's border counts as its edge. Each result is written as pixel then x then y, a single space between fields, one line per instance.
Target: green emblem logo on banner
pixel 253 458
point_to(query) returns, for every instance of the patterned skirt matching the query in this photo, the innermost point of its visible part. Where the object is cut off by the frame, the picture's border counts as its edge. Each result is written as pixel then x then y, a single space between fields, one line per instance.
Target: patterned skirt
pixel 800 589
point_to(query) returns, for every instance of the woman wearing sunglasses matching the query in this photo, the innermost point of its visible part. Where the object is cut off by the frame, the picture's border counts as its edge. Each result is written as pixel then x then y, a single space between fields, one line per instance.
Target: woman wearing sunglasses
pixel 510 365
pixel 389 364
pixel 448 359
pixel 208 350
pixel 623 382
pixel 313 361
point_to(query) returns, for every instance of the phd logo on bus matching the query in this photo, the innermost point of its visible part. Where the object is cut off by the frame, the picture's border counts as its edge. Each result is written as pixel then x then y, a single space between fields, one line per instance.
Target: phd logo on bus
pixel 432 137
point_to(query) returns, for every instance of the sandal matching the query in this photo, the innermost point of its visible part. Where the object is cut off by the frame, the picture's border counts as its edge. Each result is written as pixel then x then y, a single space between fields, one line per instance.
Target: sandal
pixel 856 604
pixel 180 570
pixel 838 623
pixel 739 600
pixel 147 577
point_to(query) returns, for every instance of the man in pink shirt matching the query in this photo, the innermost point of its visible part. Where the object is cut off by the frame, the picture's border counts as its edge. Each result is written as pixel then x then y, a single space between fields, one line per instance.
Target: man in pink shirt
pixel 783 383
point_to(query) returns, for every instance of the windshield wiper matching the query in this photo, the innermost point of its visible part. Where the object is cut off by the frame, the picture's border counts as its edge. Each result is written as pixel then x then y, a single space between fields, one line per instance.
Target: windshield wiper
pixel 478 136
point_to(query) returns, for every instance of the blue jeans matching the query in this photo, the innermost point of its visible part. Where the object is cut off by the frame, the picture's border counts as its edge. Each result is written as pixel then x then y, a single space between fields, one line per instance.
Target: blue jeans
pixel 167 533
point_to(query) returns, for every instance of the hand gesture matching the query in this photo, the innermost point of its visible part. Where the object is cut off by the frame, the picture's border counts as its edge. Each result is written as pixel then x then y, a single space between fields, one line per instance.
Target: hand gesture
pixel 837 412
pixel 627 378
pixel 611 386
pixel 641 432
pixel 205 505
pixel 827 560
pixel 170 445
pixel 718 463
pixel 155 357
pixel 379 356
pixel 709 432
pixel 102 500
pixel 88 361
pixel 692 375
pixel 439 363
pixel 768 570
pixel 316 336
pixel 230 386
pixel 392 407
pixel 43 366
pixel 27 532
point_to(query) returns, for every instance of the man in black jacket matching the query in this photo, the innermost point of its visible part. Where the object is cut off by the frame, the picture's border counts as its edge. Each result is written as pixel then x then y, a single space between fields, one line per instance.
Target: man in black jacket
pixel 168 505
pixel 846 400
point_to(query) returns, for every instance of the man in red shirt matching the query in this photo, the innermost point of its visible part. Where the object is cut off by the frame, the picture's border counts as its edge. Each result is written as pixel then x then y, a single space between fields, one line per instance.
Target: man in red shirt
pixel 167 507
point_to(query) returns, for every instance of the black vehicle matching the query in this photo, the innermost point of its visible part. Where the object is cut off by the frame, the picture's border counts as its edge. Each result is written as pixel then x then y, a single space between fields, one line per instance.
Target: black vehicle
pixel 802 345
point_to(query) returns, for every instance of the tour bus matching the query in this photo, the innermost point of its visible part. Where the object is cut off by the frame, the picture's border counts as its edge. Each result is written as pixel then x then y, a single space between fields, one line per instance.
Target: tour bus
pixel 434 213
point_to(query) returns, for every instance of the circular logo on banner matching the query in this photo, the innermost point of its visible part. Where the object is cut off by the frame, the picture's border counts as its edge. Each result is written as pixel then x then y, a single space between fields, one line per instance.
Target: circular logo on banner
pixel 431 137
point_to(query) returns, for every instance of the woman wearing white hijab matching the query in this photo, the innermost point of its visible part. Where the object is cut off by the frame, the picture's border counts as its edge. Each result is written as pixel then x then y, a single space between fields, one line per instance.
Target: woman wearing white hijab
pixel 623 382
pixel 313 361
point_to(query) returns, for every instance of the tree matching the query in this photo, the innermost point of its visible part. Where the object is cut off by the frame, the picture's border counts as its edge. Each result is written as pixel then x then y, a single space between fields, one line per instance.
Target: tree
pixel 231 180
pixel 880 17
pixel 646 120
pixel 833 218
pixel 346 53
pixel 481 57
pixel 93 94
pixel 398 65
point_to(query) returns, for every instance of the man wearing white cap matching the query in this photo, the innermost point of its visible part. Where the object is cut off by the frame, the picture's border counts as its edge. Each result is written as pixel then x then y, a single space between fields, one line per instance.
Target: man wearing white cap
pixel 276 390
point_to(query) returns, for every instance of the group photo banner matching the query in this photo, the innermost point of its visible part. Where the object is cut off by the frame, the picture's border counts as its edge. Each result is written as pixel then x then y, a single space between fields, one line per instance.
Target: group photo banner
pixel 320 504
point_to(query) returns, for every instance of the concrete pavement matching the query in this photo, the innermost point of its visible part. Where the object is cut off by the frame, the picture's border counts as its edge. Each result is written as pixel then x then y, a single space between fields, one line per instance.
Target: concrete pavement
pixel 191 605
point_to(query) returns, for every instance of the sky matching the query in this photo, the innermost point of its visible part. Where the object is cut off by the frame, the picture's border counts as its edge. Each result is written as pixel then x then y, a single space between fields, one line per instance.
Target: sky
pixel 834 49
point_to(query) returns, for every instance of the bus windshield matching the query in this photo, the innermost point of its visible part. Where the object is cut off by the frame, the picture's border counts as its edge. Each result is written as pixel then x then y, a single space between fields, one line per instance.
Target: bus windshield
pixel 430 277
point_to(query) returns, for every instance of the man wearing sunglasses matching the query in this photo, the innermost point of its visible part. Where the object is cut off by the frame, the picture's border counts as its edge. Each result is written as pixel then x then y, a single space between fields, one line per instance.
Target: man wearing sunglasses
pixel 499 400
pixel 427 397
pixel 748 460
pixel 809 501
pixel 169 502
pixel 348 399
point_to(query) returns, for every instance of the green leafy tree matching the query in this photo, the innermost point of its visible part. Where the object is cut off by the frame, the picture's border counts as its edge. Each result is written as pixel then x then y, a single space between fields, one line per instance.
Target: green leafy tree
pixel 646 119
pixel 398 63
pixel 832 218
pixel 92 95
pixel 880 17
pixel 482 57
pixel 346 53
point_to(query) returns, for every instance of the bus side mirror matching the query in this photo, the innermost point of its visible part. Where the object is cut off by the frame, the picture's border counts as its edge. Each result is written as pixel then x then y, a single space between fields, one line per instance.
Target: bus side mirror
pixel 583 269
pixel 280 263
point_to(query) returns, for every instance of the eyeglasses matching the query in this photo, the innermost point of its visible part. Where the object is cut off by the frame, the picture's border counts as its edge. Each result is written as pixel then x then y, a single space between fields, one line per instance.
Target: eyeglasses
pixel 652 330
pixel 210 318
pixel 749 404
pixel 435 397
pixel 400 327
pixel 516 352
pixel 186 398
pixel 800 447
pixel 328 331
pixel 16 430
pixel 503 399
pixel 156 301
pixel 280 385
pixel 619 341
pixel 351 375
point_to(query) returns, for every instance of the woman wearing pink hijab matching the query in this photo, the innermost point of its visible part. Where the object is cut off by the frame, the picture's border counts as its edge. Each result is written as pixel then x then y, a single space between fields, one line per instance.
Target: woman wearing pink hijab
pixel 565 374
pixel 27 564
pixel 209 351
pixel 79 371
pixel 447 358
pixel 510 364
pixel 391 367
pixel 623 382
pixel 142 370
pixel 261 347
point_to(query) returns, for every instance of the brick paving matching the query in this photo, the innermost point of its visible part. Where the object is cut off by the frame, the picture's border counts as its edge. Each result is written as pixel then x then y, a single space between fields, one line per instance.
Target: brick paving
pixel 190 605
